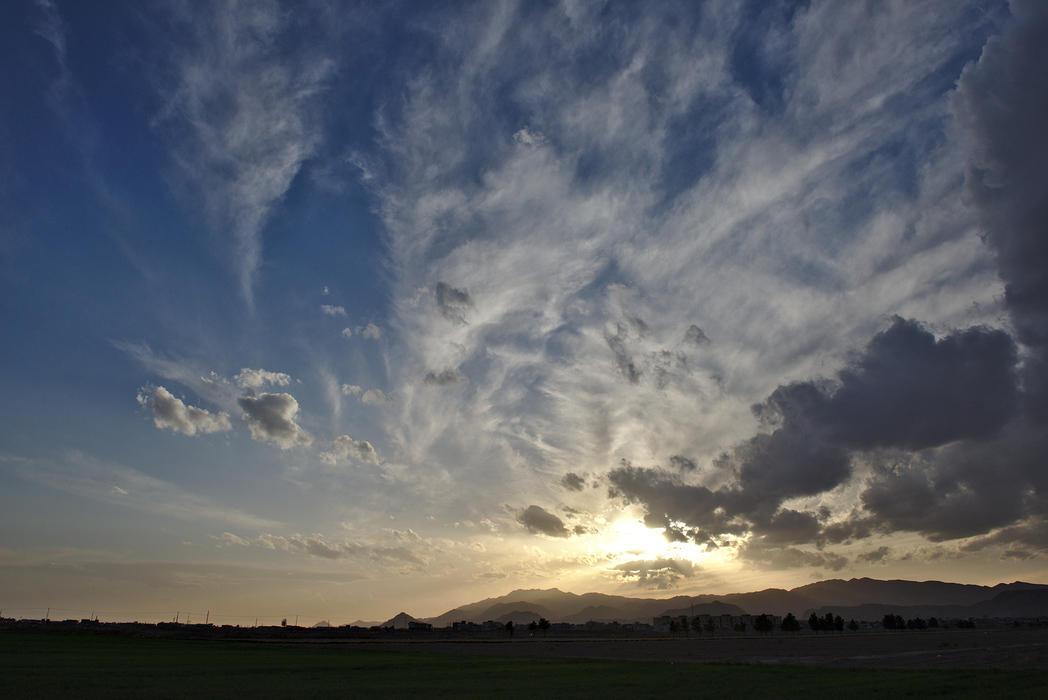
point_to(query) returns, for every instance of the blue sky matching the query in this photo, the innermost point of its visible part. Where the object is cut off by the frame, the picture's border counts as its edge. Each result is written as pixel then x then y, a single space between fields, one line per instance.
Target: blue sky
pixel 337 309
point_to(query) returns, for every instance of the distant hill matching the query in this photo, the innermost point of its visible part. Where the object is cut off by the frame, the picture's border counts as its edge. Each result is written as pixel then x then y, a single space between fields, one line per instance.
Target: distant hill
pixel 1008 603
pixel 500 610
pixel 399 621
pixel 714 608
pixel 861 598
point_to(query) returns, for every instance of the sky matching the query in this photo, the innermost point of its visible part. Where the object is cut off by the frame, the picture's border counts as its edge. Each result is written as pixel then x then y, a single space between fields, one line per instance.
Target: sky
pixel 333 310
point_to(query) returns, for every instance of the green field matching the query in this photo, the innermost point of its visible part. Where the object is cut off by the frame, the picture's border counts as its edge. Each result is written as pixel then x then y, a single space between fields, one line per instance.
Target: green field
pixel 36 665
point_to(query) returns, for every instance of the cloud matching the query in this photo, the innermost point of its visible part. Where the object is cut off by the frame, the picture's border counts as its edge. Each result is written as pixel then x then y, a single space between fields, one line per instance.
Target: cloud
pixel 395 553
pixel 350 389
pixel 581 259
pixel 371 332
pixel 347 333
pixel 271 417
pixel 258 378
pixel 375 397
pixel 908 391
pixel 345 447
pixel 875 556
pixel 539 521
pixel 695 336
pixel 170 412
pixel 113 484
pixel 453 303
pixel 683 464
pixel 243 116
pixel 623 359
pixel 449 376
pixel 333 310
pixel 660 573
pixel 790 558
pixel 1001 105
pixel 573 482
pixel 230 538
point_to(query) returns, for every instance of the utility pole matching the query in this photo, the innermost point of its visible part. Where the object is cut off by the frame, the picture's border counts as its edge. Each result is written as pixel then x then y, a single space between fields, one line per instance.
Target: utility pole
pixel 207 617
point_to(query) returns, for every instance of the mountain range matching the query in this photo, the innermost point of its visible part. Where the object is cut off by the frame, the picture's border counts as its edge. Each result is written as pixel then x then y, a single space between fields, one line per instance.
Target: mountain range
pixel 862 599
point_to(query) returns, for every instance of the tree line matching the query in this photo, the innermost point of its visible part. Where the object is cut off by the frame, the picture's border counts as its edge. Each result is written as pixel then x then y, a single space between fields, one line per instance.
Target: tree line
pixel 826 623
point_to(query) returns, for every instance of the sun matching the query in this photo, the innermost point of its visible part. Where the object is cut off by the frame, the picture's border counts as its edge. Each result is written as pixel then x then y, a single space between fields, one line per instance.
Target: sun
pixel 633 537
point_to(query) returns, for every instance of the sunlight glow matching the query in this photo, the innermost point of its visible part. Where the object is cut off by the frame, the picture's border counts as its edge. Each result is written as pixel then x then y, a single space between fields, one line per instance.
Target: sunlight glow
pixel 633 537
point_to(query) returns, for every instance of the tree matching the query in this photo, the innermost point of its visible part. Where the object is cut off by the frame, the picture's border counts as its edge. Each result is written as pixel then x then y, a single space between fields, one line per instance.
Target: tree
pixel 674 627
pixel 710 626
pixel 763 624
pixel 827 622
pixel 853 625
pixel 814 623
pixel 838 622
pixel 543 625
pixel 696 625
pixel 933 622
pixel 790 624
pixel 893 622
pixel 532 626
pixel 740 627
pixel 283 623
pixel 509 627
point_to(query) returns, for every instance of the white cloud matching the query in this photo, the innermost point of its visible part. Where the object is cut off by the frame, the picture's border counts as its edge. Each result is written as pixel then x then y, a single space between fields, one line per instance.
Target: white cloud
pixel 375 397
pixel 350 389
pixel 347 333
pixel 345 447
pixel 371 331
pixel 258 378
pixel 271 418
pixel 333 310
pixel 170 412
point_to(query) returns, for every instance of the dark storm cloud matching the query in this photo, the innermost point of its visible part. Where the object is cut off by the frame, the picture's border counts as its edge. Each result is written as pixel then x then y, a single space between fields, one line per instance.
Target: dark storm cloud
pixel 874 556
pixel 539 521
pixel 573 482
pixel 908 391
pixel 683 464
pixel 912 391
pixel 670 500
pixel 449 376
pixel 788 527
pixel 790 557
pixel 965 489
pixel 1002 104
pixel 453 303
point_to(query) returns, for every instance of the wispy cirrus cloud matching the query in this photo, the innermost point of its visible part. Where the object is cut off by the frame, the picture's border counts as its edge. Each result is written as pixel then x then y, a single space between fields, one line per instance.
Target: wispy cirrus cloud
pixel 241 111
pixel 616 281
pixel 113 484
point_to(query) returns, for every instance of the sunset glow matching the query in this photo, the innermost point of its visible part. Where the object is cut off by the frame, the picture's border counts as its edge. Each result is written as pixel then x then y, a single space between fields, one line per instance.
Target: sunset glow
pixel 340 310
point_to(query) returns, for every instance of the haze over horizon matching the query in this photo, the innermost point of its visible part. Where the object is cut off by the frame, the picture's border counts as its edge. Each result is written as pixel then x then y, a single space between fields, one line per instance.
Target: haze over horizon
pixel 342 309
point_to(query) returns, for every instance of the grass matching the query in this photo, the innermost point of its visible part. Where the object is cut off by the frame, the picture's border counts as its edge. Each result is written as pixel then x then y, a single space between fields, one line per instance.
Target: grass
pixel 55 665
